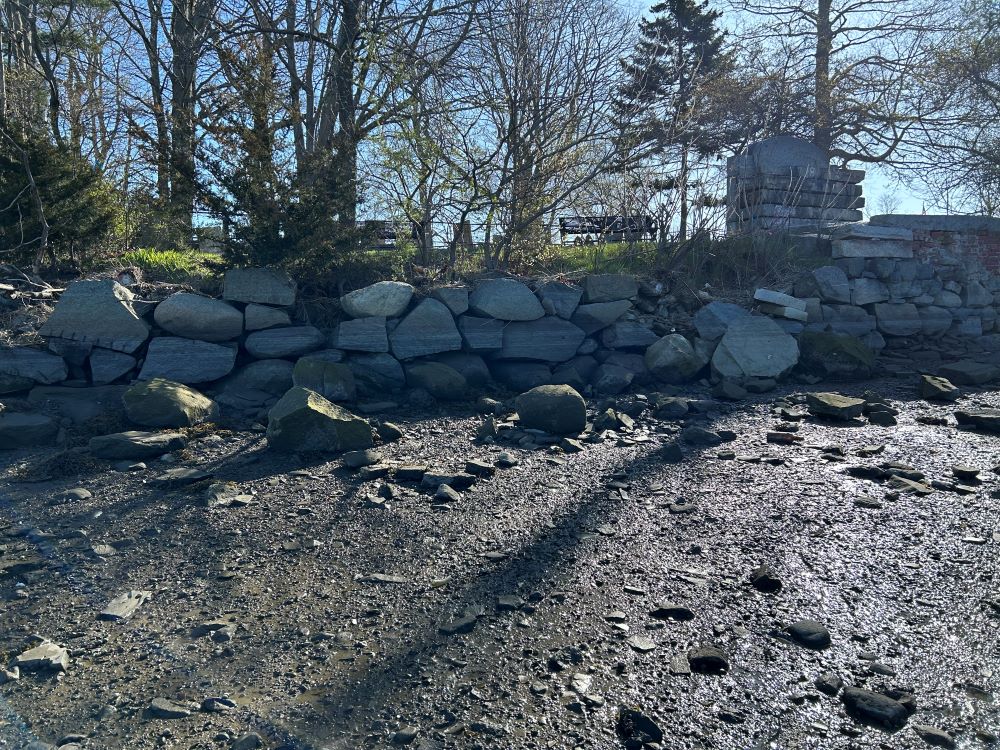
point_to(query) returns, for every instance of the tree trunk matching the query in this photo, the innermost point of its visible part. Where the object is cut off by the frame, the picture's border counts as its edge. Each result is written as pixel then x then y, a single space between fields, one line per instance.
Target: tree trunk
pixel 683 194
pixel 823 116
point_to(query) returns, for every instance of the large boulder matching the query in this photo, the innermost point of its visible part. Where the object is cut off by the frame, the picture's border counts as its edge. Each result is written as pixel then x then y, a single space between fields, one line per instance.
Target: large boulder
pixel 100 313
pixel 428 329
pixel 505 299
pixel 557 409
pixel 192 316
pixel 712 320
pixel 386 299
pixel 135 445
pixel 258 317
pixel 21 368
pixel 20 430
pixel 187 361
pixel 755 347
pixel 672 359
pixel 854 321
pixel 361 335
pixel 107 365
pixel 609 287
pixel 277 343
pixel 559 299
pixel 162 403
pixel 304 421
pixel 594 317
pixel 835 355
pixel 898 319
pixel 438 379
pixel 547 339
pixel 969 372
pixel 377 373
pixel 265 286
pixel 334 381
pixel 865 291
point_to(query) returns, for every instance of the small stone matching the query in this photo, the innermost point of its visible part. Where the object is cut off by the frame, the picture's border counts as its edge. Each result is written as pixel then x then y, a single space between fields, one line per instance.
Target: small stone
pixel 765 580
pixel 965 473
pixel 874 708
pixel 124 605
pixel 934 736
pixel 405 735
pixel 249 741
pixel 45 656
pixel 636 729
pixel 164 708
pixel 829 683
pixel 446 494
pixel 708 660
pixel 669 611
pixel 641 644
pixel 361 458
pixel 810 634
pixel 389 432
pixel 934 388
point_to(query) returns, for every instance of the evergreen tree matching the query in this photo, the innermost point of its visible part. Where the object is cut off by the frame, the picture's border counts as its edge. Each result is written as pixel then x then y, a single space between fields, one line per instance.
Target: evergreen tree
pixel 661 106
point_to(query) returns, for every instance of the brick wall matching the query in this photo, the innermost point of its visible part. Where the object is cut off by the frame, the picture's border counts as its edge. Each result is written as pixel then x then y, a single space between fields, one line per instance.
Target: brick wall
pixel 943 246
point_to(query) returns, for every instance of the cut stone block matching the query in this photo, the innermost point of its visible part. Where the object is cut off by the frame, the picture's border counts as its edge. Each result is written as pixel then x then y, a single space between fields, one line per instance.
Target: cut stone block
pixel 187 361
pixel 265 286
pixel 779 299
pixel 100 313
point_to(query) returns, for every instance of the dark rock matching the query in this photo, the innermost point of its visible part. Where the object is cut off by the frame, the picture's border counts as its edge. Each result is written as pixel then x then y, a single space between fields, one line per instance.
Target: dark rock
pixel 708 660
pixel 810 634
pixel 935 388
pixel 874 708
pixel 834 405
pixel 556 409
pixel 765 580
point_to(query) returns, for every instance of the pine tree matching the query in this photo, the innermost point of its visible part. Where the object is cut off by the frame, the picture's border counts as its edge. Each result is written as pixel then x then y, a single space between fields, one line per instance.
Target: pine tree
pixel 678 55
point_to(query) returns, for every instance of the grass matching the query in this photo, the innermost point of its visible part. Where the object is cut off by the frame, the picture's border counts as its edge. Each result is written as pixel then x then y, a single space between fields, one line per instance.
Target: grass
pixel 174 266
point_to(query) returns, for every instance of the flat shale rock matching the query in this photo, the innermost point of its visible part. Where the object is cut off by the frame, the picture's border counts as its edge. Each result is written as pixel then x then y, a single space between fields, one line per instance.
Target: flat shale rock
pixel 21 366
pixel 124 605
pixel 935 388
pixel 135 445
pixel 835 405
pixel 276 343
pixel 987 420
pixel 43 657
pixel 548 339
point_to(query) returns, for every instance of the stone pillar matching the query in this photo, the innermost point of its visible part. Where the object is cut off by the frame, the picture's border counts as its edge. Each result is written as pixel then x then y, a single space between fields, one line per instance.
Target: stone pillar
pixel 787 184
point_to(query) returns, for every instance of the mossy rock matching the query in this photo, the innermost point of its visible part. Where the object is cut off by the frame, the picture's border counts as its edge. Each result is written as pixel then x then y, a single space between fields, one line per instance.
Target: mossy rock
pixel 303 421
pixel 164 403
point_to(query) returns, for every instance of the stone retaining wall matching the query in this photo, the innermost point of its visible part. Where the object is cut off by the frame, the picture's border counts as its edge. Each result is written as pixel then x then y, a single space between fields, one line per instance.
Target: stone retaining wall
pixel 951 240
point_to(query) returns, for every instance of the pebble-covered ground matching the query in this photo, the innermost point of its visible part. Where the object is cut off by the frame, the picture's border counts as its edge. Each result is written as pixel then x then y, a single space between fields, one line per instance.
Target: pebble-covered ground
pixel 309 606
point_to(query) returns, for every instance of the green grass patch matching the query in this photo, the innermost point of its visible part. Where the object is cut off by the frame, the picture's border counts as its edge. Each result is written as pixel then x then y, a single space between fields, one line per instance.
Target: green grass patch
pixel 174 266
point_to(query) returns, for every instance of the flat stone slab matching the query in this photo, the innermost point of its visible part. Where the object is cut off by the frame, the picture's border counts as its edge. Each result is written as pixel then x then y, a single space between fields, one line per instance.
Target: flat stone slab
pixel 987 420
pixel 187 360
pixel 547 339
pixel 361 335
pixel 100 313
pixel 124 605
pixel 277 343
pixel 593 317
pixel 135 445
pixel 265 286
pixel 863 248
pixel 755 347
pixel 46 656
pixel 559 299
pixel 25 364
pixel 628 334
pixel 969 372
pixel 455 298
pixel 713 319
pixel 481 334
pixel 835 405
pixel 779 299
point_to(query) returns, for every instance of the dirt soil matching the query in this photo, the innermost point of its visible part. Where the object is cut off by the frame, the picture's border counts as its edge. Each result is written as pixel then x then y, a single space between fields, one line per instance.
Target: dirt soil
pixel 330 617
